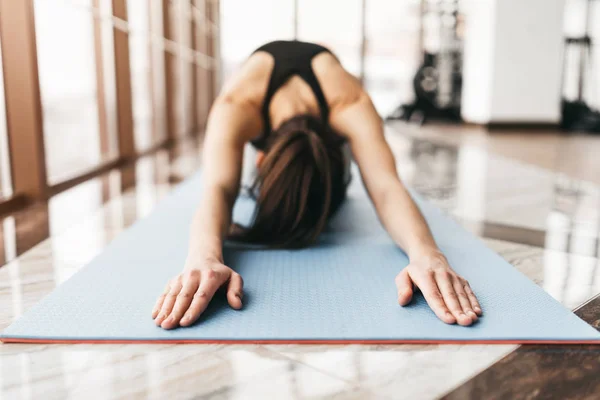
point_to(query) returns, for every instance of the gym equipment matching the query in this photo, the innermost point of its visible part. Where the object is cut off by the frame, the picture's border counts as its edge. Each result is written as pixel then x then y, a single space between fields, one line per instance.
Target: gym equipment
pixel 578 110
pixel 438 81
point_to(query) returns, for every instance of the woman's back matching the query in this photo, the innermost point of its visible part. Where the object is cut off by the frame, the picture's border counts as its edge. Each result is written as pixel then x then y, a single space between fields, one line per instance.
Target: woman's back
pixel 294 96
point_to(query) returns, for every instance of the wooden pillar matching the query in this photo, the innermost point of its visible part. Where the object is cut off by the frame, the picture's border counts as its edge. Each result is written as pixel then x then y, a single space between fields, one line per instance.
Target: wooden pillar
pixel 100 83
pixel 170 71
pixel 195 43
pixel 24 119
pixel 216 40
pixel 212 15
pixel 205 92
pixel 187 67
pixel 125 135
pixel 158 78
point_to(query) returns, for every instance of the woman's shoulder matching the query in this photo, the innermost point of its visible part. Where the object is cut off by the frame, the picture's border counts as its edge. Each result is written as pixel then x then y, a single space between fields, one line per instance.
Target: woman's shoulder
pixel 249 83
pixel 339 86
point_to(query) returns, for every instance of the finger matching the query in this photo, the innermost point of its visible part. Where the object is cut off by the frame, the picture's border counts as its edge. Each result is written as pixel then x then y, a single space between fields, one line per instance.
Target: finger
pixel 170 298
pixel 235 291
pixel 433 296
pixel 444 282
pixel 210 281
pixel 465 303
pixel 159 302
pixel 184 299
pixel 473 299
pixel 405 287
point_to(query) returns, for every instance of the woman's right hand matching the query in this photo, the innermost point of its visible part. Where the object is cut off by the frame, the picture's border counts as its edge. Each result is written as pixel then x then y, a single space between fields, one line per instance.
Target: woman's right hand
pixel 187 295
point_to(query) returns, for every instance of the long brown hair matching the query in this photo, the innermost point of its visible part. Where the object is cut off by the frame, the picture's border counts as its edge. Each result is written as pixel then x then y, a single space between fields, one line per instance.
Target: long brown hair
pixel 300 183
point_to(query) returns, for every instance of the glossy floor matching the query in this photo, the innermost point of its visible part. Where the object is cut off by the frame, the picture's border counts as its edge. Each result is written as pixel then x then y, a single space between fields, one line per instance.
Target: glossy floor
pixel 541 220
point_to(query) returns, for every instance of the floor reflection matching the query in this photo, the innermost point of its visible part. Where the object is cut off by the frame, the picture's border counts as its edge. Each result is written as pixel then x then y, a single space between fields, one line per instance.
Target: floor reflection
pixel 150 179
pixel 506 199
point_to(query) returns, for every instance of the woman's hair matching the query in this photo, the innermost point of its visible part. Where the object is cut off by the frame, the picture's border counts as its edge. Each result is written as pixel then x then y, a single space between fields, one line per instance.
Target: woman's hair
pixel 300 183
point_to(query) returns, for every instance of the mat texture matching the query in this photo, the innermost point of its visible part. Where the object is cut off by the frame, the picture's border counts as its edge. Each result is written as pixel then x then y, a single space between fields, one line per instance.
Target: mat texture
pixel 339 291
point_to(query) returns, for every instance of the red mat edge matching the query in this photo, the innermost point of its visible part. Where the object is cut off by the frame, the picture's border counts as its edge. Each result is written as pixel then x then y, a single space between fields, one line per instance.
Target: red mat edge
pixel 300 342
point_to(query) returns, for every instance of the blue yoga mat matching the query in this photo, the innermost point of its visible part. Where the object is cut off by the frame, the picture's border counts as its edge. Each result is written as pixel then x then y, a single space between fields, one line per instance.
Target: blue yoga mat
pixel 341 290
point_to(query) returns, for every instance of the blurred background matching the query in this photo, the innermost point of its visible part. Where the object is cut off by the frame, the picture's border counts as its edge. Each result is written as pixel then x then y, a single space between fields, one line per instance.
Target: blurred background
pixel 91 87
pixel 80 65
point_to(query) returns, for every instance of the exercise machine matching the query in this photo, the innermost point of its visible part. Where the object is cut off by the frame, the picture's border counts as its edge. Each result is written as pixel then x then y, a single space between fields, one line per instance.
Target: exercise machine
pixel 438 80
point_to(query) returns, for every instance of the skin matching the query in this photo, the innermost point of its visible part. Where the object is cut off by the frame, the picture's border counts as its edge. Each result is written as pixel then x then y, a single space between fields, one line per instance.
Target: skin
pixel 235 119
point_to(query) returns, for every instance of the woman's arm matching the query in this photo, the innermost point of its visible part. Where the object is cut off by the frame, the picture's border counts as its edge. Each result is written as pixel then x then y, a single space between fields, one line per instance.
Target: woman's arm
pixel 448 294
pixel 230 125
pixel 228 129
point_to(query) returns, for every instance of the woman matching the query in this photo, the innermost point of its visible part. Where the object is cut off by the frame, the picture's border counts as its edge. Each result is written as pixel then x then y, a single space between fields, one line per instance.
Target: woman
pixel 298 107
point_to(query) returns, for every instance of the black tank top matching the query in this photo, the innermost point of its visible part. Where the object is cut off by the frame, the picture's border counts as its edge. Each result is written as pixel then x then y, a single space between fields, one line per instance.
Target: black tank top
pixel 291 58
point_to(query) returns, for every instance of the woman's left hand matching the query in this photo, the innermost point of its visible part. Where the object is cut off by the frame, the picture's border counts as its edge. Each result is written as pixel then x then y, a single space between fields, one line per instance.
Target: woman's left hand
pixel 448 294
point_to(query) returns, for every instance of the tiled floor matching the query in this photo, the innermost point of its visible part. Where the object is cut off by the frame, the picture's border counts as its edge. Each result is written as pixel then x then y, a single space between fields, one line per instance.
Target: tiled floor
pixel 543 222
pixel 541 371
pixel 574 155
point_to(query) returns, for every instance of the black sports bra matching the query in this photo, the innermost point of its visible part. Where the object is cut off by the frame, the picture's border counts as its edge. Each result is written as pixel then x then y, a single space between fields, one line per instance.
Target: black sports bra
pixel 291 58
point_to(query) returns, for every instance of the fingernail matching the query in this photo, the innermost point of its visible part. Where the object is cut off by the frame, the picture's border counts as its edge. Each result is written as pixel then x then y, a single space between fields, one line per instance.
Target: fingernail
pixel 472 314
pixel 477 309
pixel 448 315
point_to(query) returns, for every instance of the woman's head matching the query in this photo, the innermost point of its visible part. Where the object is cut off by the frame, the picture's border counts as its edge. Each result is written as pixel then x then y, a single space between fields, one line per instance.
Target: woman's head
pixel 300 183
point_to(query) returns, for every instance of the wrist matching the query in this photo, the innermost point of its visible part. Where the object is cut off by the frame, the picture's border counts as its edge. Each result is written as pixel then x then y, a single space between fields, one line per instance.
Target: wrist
pixel 426 253
pixel 205 250
pixel 199 262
